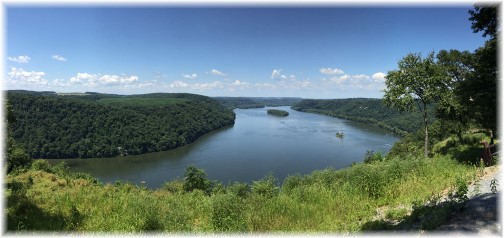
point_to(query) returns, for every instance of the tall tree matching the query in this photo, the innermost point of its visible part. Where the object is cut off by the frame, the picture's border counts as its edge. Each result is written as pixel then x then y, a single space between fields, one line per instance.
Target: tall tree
pixel 481 88
pixel 453 108
pixel 417 81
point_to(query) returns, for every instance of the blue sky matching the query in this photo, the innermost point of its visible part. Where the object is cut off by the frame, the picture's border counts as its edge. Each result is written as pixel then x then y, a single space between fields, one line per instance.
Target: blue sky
pixel 310 52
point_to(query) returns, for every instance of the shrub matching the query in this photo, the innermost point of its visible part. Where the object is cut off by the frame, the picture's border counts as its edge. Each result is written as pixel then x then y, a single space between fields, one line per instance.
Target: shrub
pixel 195 178
pixel 16 156
pixel 371 157
pixel 42 165
pixel 241 190
pixel 227 213
pixel 266 187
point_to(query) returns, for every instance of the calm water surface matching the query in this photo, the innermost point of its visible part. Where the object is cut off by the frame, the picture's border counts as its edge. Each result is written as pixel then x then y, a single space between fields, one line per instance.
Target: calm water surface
pixel 257 144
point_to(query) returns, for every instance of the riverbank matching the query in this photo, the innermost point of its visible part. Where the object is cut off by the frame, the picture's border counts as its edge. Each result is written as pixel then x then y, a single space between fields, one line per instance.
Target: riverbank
pixel 336 201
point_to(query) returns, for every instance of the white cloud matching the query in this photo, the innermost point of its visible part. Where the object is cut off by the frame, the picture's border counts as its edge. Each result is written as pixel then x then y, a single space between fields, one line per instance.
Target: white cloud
pixel 360 77
pixel 19 59
pixel 190 76
pixel 276 74
pixel 217 72
pixel 240 83
pixel 379 76
pixel 93 80
pixel 178 84
pixel 59 58
pixel 331 71
pixel 20 76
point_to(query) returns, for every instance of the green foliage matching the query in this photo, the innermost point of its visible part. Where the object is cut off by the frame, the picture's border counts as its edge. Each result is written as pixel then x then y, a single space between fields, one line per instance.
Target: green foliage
pixel 42 165
pixel 51 126
pixel 16 157
pixel 266 187
pixel 136 101
pixel 195 178
pixel 241 190
pixel 278 113
pixel 418 82
pixel 372 111
pixel 371 157
pixel 228 213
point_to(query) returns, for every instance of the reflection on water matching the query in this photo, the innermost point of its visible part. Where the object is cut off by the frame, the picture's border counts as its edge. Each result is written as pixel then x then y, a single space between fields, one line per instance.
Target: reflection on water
pixel 257 144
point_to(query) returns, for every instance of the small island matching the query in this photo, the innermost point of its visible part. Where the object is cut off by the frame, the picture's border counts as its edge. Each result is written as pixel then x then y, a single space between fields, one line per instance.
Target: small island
pixel 278 113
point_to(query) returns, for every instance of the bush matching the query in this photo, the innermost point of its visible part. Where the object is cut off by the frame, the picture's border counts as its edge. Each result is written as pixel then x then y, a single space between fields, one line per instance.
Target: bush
pixel 241 190
pixel 266 187
pixel 195 178
pixel 174 186
pixel 42 165
pixel 227 213
pixel 371 157
pixel 16 156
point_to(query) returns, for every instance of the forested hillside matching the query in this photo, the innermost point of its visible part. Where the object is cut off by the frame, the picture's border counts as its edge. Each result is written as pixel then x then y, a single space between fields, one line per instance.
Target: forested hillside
pixel 101 125
pixel 256 102
pixel 365 110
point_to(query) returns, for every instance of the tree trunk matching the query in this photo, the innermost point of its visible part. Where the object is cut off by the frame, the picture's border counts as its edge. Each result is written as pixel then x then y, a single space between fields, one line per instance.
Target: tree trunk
pixel 426 131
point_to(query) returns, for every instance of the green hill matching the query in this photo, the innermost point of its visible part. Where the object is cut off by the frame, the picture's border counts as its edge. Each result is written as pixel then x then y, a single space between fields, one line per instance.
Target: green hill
pixel 365 110
pixel 90 125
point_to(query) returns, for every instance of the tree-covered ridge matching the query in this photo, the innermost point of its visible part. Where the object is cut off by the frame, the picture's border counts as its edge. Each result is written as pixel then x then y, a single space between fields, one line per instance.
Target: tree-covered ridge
pixel 51 126
pixel 257 102
pixel 366 110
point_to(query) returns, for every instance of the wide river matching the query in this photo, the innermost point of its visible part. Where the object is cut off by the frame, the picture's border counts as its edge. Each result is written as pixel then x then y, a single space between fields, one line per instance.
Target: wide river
pixel 256 145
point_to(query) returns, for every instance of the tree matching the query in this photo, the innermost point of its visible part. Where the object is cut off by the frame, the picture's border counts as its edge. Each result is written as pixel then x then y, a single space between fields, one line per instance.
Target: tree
pixel 481 88
pixel 417 81
pixel 195 178
pixel 453 108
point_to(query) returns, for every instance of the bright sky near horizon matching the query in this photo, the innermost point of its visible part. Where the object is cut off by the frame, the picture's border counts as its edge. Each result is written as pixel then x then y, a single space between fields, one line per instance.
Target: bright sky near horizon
pixel 309 52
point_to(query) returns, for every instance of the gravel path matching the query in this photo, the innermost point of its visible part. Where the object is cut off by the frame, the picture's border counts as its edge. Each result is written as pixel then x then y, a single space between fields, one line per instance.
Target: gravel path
pixel 481 214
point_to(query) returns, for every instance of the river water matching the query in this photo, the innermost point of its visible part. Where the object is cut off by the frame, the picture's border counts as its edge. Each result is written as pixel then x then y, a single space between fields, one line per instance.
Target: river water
pixel 257 144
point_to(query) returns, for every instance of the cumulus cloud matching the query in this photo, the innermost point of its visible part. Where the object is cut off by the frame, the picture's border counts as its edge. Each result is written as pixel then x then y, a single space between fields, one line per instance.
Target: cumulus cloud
pixel 331 71
pixel 19 59
pixel 378 76
pixel 93 80
pixel 178 84
pixel 20 76
pixel 190 76
pixel 217 72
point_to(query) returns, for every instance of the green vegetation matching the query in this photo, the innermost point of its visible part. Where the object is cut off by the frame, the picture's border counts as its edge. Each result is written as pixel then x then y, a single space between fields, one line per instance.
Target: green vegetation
pixel 136 101
pixel 256 102
pixel 366 110
pixel 278 113
pixel 100 125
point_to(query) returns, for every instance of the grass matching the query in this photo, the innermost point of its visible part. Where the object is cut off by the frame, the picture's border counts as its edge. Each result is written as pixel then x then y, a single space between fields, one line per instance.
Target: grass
pixel 140 101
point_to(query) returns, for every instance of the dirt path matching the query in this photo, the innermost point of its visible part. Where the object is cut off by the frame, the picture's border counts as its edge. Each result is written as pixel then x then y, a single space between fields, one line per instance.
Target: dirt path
pixel 481 214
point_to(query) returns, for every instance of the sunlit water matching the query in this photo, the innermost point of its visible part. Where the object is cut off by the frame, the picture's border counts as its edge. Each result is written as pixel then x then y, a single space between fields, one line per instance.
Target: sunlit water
pixel 256 145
